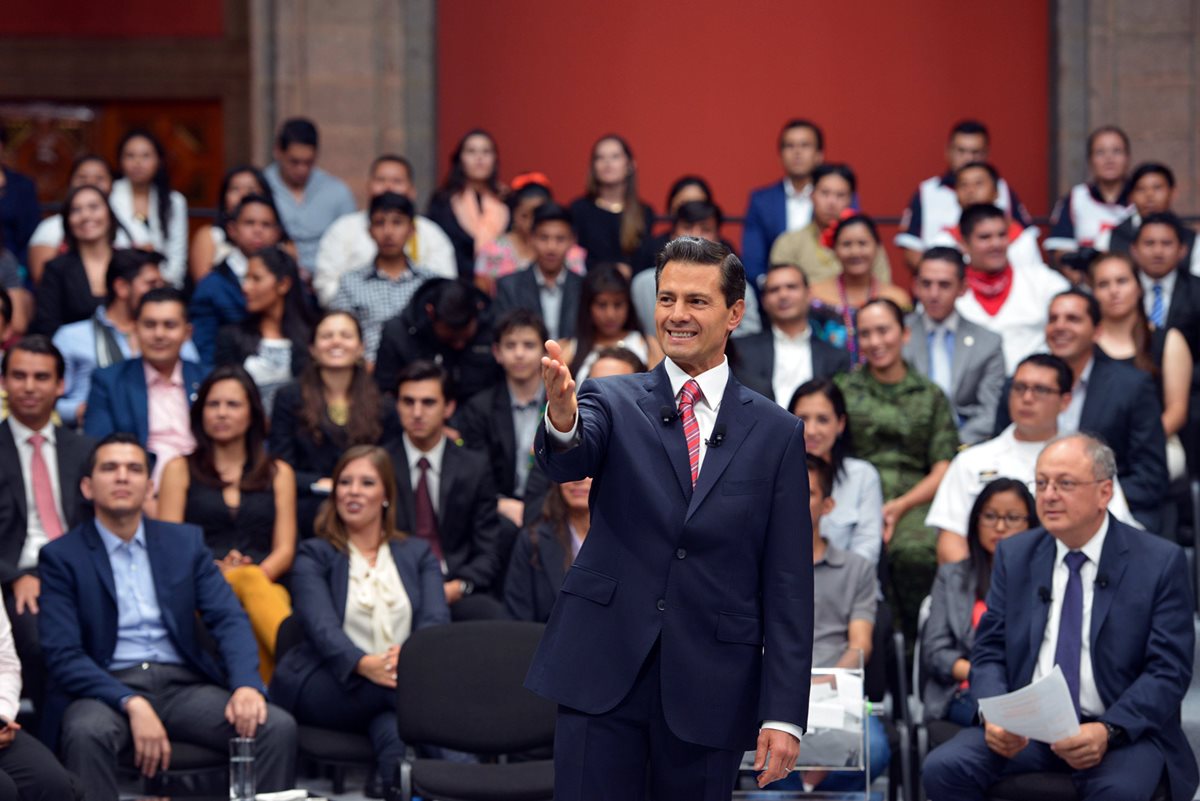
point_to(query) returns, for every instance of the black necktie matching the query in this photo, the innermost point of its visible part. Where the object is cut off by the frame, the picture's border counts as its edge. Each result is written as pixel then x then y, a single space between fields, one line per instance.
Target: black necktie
pixel 425 522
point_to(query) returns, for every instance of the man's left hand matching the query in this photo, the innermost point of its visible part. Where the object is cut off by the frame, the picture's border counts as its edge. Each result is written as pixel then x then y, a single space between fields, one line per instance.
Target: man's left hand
pixel 1086 749
pixel 246 711
pixel 778 752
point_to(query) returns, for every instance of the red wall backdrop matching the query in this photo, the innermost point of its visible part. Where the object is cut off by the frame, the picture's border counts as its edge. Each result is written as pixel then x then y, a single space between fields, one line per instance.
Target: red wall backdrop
pixel 704 87
pixel 119 19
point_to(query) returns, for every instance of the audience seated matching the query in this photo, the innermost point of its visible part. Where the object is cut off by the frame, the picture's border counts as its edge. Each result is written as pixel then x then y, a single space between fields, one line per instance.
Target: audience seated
pixel 606 319
pixel 154 215
pixel 963 358
pixel 348 245
pixel 513 251
pixel 333 405
pixel 19 208
pixel 446 494
pixel 1127 672
pixel 547 288
pixel 1003 507
pixel 242 499
pixel 777 361
pixel 613 224
pixel 979 182
pixel 693 192
pixel 811 247
pixel 308 198
pixel 72 285
pixel 1151 190
pixel 545 550
pixel 361 588
pixel 210 243
pixel 219 299
pixel 501 420
pixel 786 205
pixel 855 523
pixel 836 301
pixel 468 204
pixel 935 208
pixel 1039 392
pixel 1012 303
pixel 1170 293
pixel 41 498
pixel 904 426
pixel 149 396
pixel 127 663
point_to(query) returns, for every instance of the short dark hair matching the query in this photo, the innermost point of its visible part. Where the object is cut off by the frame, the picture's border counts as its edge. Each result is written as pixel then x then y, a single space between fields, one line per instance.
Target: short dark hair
pixel 254 199
pixel 455 303
pixel 550 211
pixel 1151 168
pixel 843 171
pixel 298 131
pixel 975 214
pixel 1161 218
pixel 992 172
pixel 945 253
pixel 696 211
pixel 621 354
pixel 969 128
pixel 1093 305
pixel 803 123
pixel 1107 129
pixel 6 307
pixel 517 319
pixel 38 344
pixel 1062 370
pixel 392 158
pixel 162 294
pixel 425 370
pixel 824 473
pixel 892 306
pixel 115 438
pixel 684 182
pixel 693 250
pixel 391 201
pixel 858 218
pixel 126 265
pixel 787 265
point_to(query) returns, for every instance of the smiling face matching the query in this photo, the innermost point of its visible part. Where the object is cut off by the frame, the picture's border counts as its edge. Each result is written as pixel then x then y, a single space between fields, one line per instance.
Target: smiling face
pixel 881 336
pixel 822 426
pixel 88 217
pixel 120 481
pixel 226 412
pixel 691 318
pixel 987 246
pixel 1070 332
pixel 33 385
pixel 575 494
pixel 359 495
pixel 337 343
pixel 856 248
pixel 139 160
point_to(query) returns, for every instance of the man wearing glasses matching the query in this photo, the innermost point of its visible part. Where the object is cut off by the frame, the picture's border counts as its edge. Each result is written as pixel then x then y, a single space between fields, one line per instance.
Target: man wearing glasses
pixel 1039 392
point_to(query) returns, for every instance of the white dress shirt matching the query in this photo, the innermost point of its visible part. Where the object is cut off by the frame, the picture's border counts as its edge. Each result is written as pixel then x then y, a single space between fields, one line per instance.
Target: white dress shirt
pixel 798 203
pixel 433 476
pixel 1089 697
pixel 172 242
pixel 793 363
pixel 1068 419
pixel 379 612
pixel 35 532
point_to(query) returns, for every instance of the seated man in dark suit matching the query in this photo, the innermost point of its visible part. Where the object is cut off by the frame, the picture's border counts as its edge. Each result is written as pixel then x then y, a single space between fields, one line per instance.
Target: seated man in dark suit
pixel 547 288
pixel 1171 294
pixel 1127 671
pixel 963 358
pixel 448 322
pixel 446 495
pixel 775 362
pixel 40 466
pixel 122 599
pixel 1151 190
pixel 150 396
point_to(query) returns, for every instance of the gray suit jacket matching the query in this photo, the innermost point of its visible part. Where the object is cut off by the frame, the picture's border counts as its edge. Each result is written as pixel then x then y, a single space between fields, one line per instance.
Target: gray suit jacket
pixel 947 636
pixel 977 371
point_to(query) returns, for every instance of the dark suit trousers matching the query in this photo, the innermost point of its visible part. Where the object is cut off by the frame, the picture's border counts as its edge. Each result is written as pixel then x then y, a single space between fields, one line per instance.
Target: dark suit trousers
pixel 630 753
pixel 96 737
pixel 964 768
pixel 29 772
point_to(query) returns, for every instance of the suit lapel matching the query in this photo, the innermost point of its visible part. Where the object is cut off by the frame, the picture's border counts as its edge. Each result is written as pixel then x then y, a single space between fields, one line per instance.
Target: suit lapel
pixel 162 560
pixel 68 476
pixel 919 344
pixel 503 421
pixel 964 344
pixel 1041 574
pixel 139 398
pixel 737 422
pixel 529 288
pixel 569 310
pixel 1097 395
pixel 339 583
pixel 16 482
pixel 100 560
pixel 404 487
pixel 658 394
pixel 447 490
pixel 1113 559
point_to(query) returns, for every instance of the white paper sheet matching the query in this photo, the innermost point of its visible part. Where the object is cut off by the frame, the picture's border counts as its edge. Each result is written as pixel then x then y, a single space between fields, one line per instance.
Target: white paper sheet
pixel 1040 711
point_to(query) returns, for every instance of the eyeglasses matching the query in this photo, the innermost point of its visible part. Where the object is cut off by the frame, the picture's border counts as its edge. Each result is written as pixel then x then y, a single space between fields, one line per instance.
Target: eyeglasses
pixel 1064 485
pixel 1019 388
pixel 993 519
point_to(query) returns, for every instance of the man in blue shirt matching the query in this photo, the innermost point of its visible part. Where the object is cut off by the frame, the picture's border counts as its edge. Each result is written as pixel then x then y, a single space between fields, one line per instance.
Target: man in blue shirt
pixel 119 606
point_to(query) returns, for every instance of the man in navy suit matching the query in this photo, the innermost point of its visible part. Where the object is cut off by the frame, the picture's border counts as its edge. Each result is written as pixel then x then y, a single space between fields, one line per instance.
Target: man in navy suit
pixel 1111 607
pixel 119 606
pixel 699 553
pixel 785 205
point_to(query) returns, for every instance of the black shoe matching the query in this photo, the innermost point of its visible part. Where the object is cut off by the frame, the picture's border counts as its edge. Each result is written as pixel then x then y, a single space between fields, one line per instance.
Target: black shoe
pixel 375 787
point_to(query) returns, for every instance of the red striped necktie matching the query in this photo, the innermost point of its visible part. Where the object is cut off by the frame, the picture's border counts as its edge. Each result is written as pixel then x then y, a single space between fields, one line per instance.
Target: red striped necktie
pixel 688 396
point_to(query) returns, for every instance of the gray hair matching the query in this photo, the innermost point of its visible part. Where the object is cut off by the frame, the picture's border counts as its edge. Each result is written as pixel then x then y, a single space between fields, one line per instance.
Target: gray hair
pixel 1104 462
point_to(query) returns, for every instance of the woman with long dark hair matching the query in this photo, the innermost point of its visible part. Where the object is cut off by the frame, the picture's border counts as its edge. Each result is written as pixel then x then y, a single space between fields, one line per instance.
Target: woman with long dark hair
pixel 959 599
pixel 210 243
pixel 611 222
pixel 271 342
pixel 545 550
pixel 469 205
pixel 73 284
pixel 154 215
pixel 607 320
pixel 243 499
pixel 48 238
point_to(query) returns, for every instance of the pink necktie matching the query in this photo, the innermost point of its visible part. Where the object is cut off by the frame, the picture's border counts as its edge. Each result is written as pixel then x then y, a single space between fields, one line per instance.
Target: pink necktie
pixel 691 428
pixel 43 491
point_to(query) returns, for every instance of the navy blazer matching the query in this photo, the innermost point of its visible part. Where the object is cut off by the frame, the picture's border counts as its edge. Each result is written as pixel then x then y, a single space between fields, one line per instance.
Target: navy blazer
pixel 752 360
pixel 320 582
pixel 766 219
pixel 520 291
pixel 77 621
pixel 117 400
pixel 1141 635
pixel 535 573
pixel 711 573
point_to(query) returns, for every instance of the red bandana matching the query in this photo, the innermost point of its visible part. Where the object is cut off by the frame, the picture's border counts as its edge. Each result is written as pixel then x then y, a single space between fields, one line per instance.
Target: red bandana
pixel 991 289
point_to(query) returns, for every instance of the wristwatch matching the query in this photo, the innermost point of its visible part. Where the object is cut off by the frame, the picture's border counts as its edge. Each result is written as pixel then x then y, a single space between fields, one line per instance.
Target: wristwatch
pixel 467 587
pixel 1116 734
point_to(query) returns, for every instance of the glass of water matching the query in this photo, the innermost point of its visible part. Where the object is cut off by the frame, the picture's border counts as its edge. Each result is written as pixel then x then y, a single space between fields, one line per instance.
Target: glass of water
pixel 241 769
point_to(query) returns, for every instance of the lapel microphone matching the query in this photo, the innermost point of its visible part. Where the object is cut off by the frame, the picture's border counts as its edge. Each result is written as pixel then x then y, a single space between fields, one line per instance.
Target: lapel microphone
pixel 1102 582
pixel 1044 594
pixel 668 413
pixel 718 436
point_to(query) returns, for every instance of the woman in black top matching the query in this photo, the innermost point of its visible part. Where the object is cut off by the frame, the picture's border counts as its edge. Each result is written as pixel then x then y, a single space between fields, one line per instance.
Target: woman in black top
pixel 243 499
pixel 72 285
pixel 469 205
pixel 611 222
pixel 545 550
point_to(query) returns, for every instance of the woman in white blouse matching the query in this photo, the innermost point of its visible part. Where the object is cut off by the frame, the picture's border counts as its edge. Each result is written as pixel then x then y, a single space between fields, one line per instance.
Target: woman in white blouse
pixel 361 587
pixel 154 216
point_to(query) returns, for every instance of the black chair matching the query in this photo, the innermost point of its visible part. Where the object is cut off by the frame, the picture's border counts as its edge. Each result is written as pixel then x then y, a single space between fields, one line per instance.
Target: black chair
pixel 460 688
pixel 1050 787
pixel 328 750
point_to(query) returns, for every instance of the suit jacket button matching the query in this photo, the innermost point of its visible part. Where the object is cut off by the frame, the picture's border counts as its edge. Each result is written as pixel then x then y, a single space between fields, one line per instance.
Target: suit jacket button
pixel 661 604
pixel 681 554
